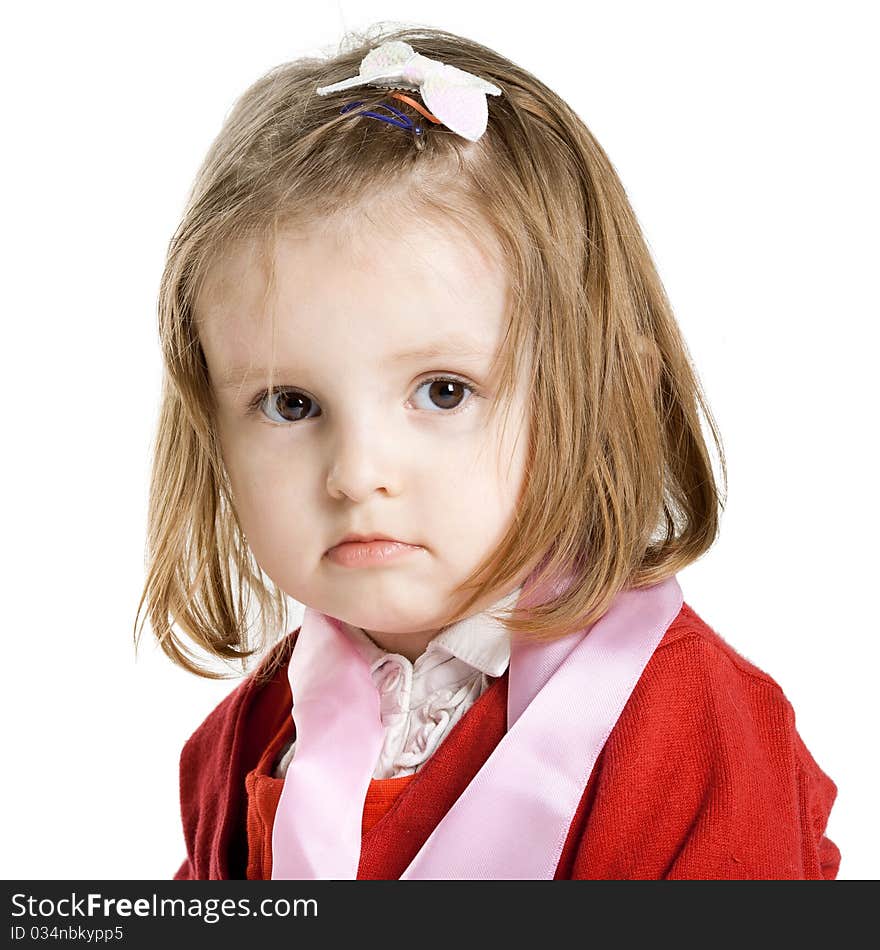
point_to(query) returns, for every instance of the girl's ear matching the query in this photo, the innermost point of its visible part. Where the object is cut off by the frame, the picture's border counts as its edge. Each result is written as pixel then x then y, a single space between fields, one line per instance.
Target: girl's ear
pixel 650 356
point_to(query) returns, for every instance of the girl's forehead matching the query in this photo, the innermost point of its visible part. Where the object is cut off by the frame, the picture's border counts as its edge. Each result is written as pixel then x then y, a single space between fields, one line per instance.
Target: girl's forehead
pixel 380 289
pixel 398 264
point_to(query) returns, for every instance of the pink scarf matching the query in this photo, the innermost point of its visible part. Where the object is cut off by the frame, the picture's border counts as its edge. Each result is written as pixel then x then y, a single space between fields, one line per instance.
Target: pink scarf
pixel 564 698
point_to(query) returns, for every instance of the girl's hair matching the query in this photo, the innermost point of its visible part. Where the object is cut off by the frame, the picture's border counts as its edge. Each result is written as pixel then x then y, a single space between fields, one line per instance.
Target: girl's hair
pixel 619 485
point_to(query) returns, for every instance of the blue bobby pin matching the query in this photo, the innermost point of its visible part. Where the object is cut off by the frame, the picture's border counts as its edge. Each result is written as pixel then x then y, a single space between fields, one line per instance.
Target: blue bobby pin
pixel 407 123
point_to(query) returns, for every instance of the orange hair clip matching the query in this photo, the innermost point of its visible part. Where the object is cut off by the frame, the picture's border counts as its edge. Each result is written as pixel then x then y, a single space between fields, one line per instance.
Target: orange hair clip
pixel 416 105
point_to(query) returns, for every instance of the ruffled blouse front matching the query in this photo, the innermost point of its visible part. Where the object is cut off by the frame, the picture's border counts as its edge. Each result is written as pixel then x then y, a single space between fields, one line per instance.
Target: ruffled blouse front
pixel 421 702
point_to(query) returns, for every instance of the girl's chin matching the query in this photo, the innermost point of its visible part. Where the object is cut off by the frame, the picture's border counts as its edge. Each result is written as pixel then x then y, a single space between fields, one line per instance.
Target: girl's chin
pixel 392 626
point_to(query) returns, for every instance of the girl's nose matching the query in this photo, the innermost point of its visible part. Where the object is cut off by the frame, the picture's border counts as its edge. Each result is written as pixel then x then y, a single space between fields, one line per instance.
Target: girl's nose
pixel 361 464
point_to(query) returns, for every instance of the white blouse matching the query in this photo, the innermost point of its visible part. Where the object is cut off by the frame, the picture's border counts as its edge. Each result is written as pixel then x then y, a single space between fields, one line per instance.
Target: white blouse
pixel 420 702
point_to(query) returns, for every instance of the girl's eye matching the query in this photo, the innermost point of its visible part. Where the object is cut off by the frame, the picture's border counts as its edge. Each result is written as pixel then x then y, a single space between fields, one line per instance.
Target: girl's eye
pixel 444 392
pixel 284 405
pixel 290 405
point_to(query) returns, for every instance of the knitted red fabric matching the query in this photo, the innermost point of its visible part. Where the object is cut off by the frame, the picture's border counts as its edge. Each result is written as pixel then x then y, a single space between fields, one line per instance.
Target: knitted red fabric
pixel 704 776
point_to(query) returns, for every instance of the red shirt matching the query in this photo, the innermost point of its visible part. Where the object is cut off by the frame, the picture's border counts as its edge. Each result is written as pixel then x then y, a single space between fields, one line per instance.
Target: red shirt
pixel 704 776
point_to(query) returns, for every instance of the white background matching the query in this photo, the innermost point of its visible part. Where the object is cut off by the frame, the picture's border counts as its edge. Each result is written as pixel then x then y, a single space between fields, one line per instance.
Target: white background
pixel 745 135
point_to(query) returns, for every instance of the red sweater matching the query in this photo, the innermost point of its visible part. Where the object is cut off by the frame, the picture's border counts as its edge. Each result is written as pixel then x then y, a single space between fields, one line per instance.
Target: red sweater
pixel 704 776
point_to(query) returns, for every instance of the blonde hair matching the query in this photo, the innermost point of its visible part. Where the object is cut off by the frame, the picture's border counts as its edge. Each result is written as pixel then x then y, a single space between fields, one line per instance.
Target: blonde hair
pixel 620 486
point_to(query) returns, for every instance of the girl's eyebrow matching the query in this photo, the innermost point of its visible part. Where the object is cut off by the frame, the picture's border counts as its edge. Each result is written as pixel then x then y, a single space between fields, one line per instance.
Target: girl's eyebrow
pixel 454 347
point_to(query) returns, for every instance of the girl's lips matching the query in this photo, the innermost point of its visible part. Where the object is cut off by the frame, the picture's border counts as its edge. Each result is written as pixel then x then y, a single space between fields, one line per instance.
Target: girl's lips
pixel 366 553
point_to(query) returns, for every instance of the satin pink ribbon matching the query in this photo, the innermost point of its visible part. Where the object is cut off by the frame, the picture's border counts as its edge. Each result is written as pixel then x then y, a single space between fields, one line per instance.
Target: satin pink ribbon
pixel 339 734
pixel 564 698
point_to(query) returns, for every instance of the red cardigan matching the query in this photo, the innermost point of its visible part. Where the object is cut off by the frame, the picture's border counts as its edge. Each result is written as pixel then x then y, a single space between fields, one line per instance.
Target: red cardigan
pixel 704 776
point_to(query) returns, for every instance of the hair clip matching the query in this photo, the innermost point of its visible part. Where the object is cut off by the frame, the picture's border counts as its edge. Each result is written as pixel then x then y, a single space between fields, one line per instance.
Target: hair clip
pixel 455 97
pixel 405 123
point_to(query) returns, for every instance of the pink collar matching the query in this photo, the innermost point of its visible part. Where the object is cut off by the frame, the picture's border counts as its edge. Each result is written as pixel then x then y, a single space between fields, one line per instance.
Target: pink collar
pixel 564 698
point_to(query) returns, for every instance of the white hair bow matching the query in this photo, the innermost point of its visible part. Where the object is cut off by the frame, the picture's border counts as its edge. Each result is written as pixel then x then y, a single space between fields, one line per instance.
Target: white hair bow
pixel 456 97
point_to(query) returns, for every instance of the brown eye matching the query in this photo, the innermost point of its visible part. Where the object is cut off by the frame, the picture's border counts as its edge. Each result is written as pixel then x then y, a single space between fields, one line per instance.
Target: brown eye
pixel 446 393
pixel 289 405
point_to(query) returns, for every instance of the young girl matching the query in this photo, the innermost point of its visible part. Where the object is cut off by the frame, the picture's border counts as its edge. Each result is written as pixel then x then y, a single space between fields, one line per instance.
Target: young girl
pixel 422 378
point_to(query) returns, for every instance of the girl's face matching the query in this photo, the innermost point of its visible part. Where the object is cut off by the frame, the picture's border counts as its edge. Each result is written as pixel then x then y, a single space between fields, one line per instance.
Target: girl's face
pixel 378 423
